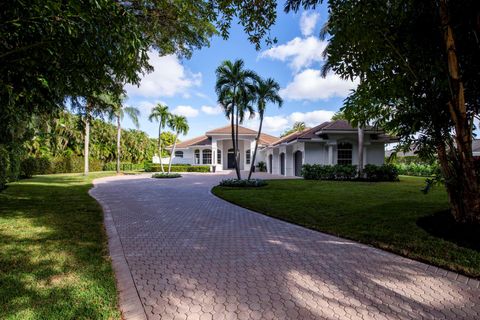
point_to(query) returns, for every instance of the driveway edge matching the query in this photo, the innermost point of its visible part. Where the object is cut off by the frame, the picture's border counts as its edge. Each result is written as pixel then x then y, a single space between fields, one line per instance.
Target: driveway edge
pixel 129 301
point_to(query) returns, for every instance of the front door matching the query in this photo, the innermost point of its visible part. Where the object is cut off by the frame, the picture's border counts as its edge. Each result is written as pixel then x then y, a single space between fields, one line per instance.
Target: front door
pixel 298 163
pixel 231 159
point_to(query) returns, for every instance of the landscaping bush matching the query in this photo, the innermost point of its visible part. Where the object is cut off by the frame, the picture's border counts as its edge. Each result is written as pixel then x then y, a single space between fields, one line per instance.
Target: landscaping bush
pixel 124 166
pixel 386 172
pixel 328 172
pixel 28 167
pixel 243 183
pixel 417 169
pixel 262 166
pixel 4 167
pixel 176 168
pixel 162 175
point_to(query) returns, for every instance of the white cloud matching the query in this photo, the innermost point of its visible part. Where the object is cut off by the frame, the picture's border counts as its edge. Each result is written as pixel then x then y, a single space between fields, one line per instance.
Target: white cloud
pixel 212 110
pixel 308 21
pixel 169 78
pixel 186 111
pixel 278 124
pixel 310 85
pixel 312 118
pixel 301 53
pixel 146 107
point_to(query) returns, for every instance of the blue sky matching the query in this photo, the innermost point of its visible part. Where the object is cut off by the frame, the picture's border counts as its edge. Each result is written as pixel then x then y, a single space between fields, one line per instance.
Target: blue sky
pixel 187 86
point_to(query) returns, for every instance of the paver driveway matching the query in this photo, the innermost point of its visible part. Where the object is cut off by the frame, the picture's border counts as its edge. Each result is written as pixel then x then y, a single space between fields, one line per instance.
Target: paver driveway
pixel 194 256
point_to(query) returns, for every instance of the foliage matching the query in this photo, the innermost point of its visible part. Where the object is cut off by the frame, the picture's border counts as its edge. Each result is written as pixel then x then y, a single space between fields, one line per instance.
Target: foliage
pixel 124 166
pixel 177 168
pixel 54 261
pixel 265 91
pixel 243 183
pixel 28 167
pixel 417 62
pixel 417 169
pixel 383 214
pixel 329 172
pixel 179 125
pixel 162 175
pixel 262 166
pixel 297 127
pixel 236 89
pixel 386 172
pixel 4 167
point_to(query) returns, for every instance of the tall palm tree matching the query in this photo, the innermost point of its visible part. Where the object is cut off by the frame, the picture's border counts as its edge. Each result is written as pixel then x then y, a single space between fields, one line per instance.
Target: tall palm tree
pixel 117 113
pixel 266 91
pixel 179 124
pixel 234 86
pixel 161 115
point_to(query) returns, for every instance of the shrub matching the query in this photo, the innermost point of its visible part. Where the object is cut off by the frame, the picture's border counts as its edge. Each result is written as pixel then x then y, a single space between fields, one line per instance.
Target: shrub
pixel 4 167
pixel 124 166
pixel 243 183
pixel 386 172
pixel 161 175
pixel 328 172
pixel 262 166
pixel 28 167
pixel 177 168
pixel 417 169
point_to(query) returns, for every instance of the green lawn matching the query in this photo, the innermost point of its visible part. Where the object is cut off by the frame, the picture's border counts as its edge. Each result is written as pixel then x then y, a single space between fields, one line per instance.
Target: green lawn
pixel 383 214
pixel 54 262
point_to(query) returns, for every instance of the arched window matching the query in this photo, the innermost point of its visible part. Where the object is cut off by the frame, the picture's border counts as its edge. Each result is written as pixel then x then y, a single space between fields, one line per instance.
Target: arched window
pixel 219 156
pixel 247 156
pixel 197 157
pixel 178 154
pixel 207 156
pixel 344 153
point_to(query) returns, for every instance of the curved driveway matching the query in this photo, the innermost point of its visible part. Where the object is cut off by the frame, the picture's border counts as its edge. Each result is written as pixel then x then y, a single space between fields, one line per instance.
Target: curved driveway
pixel 194 256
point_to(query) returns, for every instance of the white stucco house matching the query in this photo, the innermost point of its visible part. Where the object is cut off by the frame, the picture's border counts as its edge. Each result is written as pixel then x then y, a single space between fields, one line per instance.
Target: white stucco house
pixel 334 142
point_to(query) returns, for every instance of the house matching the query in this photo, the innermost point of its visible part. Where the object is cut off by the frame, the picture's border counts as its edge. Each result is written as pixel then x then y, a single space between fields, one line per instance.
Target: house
pixel 476 147
pixel 334 142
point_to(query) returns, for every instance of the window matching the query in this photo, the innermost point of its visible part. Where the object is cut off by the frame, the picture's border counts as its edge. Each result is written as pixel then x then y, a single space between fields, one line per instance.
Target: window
pixel 344 153
pixel 207 156
pixel 219 156
pixel 197 157
pixel 247 157
pixel 178 154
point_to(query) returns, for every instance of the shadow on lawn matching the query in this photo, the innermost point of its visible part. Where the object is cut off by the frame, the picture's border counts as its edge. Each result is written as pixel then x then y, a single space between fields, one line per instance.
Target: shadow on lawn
pixel 443 225
pixel 52 252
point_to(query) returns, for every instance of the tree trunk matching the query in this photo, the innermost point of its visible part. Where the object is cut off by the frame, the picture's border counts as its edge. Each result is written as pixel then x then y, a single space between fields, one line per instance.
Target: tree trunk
pixel 172 152
pixel 469 211
pixel 360 150
pixel 237 149
pixel 87 139
pixel 252 164
pixel 160 146
pixel 119 133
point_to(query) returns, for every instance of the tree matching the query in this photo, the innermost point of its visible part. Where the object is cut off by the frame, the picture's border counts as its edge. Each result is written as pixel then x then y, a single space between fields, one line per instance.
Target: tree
pixel 162 116
pixel 235 89
pixel 178 124
pixel 297 127
pixel 419 73
pixel 266 91
pixel 117 113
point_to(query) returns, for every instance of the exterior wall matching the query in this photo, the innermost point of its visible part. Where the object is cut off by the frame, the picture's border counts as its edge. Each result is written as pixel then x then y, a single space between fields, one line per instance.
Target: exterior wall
pixel 376 154
pixel 315 153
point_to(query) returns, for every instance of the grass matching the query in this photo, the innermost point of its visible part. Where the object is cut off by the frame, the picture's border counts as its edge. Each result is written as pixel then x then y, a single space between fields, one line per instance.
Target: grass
pixel 54 262
pixel 388 215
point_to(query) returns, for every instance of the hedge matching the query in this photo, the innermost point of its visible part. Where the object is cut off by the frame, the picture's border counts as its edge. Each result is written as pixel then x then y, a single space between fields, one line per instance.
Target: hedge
pixel 177 168
pixel 68 164
pixel 124 166
pixel 349 172
pixel 243 183
pixel 417 169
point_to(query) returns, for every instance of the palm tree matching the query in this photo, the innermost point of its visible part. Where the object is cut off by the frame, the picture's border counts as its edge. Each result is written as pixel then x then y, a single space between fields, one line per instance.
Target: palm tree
pixel 118 112
pixel 234 88
pixel 179 124
pixel 266 91
pixel 161 115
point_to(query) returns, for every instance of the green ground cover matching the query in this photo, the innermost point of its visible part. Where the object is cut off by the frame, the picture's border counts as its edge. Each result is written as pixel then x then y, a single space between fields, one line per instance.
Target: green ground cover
pixel 394 216
pixel 54 262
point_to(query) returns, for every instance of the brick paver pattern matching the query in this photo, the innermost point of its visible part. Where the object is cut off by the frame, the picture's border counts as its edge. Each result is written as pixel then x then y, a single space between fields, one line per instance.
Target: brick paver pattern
pixel 194 256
